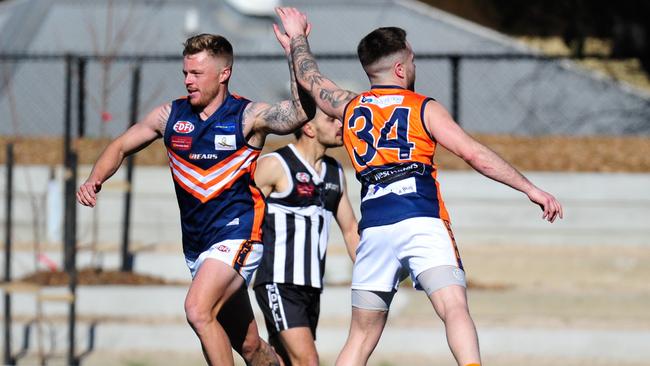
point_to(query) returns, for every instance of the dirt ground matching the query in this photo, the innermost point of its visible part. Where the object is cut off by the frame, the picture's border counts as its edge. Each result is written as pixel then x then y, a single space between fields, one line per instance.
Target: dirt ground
pixel 563 288
pixel 94 277
pixel 556 287
pixel 545 153
pixel 195 359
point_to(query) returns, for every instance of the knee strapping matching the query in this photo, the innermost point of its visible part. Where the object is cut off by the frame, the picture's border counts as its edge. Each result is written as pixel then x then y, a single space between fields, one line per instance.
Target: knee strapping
pixel 372 300
pixel 435 278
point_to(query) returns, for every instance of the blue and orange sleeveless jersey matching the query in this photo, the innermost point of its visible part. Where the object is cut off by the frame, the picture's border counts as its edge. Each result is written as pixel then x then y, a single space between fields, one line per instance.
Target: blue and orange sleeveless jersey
pixel 213 167
pixel 392 153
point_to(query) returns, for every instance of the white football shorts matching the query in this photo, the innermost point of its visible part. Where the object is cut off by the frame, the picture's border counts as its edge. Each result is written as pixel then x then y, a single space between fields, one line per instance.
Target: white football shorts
pixel 412 245
pixel 242 255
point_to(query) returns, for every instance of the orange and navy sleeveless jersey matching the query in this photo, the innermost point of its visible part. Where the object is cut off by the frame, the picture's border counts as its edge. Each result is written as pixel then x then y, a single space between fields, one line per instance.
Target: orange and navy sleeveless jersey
pixel 213 166
pixel 392 153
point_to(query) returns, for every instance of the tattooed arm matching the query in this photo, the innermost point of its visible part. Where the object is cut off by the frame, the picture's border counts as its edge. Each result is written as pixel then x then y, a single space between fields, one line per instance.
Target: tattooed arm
pixel 136 138
pixel 280 118
pixel 328 96
pixel 284 117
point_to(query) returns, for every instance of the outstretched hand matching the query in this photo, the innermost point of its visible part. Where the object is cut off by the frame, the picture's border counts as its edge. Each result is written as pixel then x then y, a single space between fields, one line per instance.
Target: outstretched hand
pixel 284 39
pixel 549 204
pixel 294 23
pixel 87 193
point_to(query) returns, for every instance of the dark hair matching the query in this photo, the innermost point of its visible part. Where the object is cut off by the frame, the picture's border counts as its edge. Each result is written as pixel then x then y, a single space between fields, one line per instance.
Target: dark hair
pixel 309 106
pixel 380 43
pixel 215 45
pixel 298 132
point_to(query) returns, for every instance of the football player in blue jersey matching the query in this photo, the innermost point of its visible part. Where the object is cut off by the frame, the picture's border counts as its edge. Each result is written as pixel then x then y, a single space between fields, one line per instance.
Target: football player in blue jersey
pixel 213 139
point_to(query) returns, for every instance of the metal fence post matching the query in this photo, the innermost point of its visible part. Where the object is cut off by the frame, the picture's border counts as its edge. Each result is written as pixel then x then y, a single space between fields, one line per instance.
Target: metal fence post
pixel 71 252
pixel 127 257
pixel 67 148
pixel 8 359
pixel 81 95
pixel 455 87
pixel 70 208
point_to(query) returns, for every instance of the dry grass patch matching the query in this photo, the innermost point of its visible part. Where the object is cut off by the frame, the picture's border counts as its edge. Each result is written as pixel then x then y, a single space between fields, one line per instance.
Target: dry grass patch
pixel 545 153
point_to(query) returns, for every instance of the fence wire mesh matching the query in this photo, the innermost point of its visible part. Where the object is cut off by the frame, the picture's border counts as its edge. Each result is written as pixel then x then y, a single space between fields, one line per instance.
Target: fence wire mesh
pixel 488 94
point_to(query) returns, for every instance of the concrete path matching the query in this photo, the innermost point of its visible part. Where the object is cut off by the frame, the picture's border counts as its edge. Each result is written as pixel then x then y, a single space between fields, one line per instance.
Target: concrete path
pixel 592 307
pixel 148 319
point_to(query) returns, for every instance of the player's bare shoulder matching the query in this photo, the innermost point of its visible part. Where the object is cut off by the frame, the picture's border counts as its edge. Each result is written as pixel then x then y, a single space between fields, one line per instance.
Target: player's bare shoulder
pixel 269 164
pixel 163 112
pixel 250 114
pixel 433 108
pixel 156 120
pixel 435 115
pixel 270 174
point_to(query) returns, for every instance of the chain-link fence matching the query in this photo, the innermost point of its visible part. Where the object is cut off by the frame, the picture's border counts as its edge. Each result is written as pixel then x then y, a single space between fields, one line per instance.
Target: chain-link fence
pixel 70 96
pixel 62 97
pixel 514 94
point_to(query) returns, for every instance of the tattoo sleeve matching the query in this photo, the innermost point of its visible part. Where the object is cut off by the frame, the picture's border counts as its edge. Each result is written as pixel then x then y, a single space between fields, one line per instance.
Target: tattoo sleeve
pixel 299 95
pixel 286 116
pixel 282 118
pixel 326 94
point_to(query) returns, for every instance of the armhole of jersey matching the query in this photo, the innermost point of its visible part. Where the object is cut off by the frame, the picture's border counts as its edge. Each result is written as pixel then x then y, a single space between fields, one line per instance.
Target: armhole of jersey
pixel 172 112
pixel 323 173
pixel 345 110
pixel 424 125
pixel 287 172
pixel 341 180
pixel 339 168
pixel 240 127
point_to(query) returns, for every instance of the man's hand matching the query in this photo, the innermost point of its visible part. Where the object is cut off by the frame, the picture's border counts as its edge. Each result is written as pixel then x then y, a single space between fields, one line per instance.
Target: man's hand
pixel 549 204
pixel 284 39
pixel 87 193
pixel 294 22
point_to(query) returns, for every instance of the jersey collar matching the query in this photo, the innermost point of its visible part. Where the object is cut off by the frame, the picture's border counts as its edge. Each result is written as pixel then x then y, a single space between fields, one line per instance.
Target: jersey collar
pixel 386 87
pixel 318 178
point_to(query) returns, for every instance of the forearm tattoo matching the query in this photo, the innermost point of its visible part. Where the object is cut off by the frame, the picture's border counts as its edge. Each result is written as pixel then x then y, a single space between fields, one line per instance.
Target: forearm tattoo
pixel 308 74
pixel 303 102
pixel 336 97
pixel 305 62
pixel 277 118
pixel 295 98
pixel 282 117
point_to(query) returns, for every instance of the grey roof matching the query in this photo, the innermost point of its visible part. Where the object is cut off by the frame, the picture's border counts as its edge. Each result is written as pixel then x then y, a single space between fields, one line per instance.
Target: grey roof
pixel 498 96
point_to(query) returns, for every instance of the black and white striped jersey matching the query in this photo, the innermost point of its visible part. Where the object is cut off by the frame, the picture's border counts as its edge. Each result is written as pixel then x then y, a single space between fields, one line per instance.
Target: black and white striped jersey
pixel 297 221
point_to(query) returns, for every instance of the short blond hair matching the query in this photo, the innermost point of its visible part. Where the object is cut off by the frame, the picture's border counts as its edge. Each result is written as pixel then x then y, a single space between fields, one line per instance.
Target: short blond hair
pixel 214 44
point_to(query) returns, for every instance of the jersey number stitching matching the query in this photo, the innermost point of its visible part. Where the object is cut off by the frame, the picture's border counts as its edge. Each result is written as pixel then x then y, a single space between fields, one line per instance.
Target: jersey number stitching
pixel 400 116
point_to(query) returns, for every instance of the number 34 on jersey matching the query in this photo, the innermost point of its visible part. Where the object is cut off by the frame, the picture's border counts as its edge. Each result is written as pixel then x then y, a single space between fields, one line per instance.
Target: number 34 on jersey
pixel 385 126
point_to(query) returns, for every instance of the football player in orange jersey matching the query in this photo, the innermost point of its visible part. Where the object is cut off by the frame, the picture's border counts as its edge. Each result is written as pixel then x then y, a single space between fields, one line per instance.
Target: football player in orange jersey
pixel 390 134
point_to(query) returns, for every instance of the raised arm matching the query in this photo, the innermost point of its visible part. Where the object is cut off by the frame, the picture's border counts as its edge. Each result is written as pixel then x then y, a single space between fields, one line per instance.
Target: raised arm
pixel 328 96
pixel 447 132
pixel 348 223
pixel 284 117
pixel 133 140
